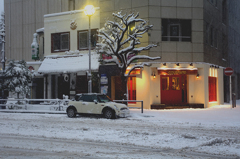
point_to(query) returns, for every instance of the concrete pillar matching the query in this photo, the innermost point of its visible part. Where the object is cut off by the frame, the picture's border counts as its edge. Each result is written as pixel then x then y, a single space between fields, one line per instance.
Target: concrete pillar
pixel 56 86
pixel 49 87
pixel 45 86
pixel 206 91
pixel 220 84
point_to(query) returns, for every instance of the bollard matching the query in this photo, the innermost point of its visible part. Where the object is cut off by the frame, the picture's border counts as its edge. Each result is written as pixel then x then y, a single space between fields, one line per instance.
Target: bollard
pixel 233 100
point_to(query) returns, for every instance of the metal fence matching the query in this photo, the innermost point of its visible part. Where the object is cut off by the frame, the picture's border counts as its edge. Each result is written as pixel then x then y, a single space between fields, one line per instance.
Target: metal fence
pixel 53 104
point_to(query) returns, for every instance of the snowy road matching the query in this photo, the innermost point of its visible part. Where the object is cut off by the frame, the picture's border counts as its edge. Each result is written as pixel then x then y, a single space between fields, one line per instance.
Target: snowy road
pixel 59 148
pixel 208 133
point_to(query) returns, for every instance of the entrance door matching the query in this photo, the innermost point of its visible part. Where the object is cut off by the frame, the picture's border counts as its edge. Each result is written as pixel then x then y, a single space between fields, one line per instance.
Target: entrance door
pixel 173 89
pixel 63 87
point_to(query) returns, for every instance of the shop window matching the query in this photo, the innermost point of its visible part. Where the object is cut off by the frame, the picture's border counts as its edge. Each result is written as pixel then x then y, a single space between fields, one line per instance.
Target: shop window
pixel 165 83
pixel 83 39
pixel 175 83
pixel 212 84
pixel 60 42
pixel 131 88
pixel 176 30
pixel 81 84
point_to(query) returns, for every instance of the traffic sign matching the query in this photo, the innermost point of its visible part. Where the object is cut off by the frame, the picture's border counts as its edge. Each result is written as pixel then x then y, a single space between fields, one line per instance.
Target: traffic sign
pixel 228 71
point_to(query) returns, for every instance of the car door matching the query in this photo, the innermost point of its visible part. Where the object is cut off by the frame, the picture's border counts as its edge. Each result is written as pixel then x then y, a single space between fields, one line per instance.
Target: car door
pixel 88 105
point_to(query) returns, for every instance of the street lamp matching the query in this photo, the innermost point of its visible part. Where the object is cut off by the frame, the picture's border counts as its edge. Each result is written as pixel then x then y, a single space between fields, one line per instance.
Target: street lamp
pixel 89 11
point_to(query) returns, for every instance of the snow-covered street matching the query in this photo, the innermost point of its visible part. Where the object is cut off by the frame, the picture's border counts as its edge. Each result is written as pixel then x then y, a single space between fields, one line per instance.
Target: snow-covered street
pixel 186 133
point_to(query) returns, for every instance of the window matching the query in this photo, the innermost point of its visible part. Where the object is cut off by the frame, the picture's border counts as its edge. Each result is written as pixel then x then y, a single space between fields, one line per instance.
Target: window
pixel 88 98
pixel 165 83
pixel 211 36
pixel 83 39
pixel 131 28
pixel 176 30
pixel 215 38
pixel 131 88
pixel 224 12
pixel 212 83
pixel 60 42
pixel 175 83
pixel 71 5
pixel 207 33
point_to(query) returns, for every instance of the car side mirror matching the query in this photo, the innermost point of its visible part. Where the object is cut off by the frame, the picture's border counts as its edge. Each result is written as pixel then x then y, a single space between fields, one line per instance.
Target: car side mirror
pixel 95 101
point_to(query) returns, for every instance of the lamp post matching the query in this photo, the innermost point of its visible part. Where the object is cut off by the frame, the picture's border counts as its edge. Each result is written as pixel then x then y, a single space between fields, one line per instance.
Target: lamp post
pixel 89 11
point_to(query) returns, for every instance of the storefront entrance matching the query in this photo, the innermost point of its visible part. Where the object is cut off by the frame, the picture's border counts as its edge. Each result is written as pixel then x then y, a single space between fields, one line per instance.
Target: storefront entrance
pixel 173 89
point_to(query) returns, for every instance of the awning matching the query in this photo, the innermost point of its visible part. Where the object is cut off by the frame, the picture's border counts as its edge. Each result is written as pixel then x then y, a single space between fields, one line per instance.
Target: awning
pixel 68 64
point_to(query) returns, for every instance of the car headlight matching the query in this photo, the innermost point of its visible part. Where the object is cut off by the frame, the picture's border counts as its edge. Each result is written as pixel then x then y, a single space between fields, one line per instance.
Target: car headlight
pixel 125 108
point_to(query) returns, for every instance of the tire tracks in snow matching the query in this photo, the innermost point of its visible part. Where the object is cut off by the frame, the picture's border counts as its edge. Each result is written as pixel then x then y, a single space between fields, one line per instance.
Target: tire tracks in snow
pixel 58 147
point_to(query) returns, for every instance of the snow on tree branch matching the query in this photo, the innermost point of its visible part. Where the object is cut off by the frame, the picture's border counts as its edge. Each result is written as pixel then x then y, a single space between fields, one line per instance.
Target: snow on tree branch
pixel 120 39
pixel 16 78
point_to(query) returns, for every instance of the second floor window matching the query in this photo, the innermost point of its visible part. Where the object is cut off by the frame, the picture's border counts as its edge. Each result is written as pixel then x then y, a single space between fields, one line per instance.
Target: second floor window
pixel 176 30
pixel 60 42
pixel 83 39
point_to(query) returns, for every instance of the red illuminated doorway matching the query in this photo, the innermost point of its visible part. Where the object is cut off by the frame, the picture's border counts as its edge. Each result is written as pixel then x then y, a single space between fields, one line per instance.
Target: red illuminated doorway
pixel 173 89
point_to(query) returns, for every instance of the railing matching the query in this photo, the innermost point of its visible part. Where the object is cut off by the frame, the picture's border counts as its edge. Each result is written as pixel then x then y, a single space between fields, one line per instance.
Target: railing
pixel 54 104
pixel 132 101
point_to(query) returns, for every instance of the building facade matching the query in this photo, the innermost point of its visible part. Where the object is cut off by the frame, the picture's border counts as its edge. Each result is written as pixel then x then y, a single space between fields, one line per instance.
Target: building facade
pixel 196 41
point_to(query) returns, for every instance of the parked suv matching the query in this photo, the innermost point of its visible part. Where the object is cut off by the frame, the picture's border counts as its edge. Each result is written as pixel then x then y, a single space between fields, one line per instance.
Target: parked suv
pixel 93 103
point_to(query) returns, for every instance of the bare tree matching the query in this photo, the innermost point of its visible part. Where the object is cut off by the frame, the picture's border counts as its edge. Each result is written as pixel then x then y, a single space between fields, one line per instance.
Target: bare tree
pixel 119 40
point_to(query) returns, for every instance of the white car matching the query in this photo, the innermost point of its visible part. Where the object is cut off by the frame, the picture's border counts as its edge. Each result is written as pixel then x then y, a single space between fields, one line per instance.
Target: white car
pixel 93 103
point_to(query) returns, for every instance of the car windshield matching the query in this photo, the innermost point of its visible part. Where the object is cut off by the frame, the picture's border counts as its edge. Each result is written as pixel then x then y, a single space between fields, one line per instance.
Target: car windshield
pixel 104 98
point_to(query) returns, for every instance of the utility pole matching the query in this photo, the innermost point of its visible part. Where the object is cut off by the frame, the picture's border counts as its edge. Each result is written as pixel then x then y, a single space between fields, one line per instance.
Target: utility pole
pixel 3 40
pixel 2 33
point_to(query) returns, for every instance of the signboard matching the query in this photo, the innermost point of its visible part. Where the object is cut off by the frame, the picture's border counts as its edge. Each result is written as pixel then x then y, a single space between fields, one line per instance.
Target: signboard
pixel 35 48
pixel 31 69
pixel 177 72
pixel 104 79
pixel 228 71
pixel 136 71
pixel 104 89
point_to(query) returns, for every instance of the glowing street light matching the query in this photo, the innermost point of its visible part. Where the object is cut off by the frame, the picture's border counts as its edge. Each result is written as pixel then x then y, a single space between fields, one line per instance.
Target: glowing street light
pixel 89 11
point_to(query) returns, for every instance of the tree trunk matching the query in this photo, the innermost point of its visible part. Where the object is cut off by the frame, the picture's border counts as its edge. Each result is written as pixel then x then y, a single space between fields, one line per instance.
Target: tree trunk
pixel 124 87
pixel 18 98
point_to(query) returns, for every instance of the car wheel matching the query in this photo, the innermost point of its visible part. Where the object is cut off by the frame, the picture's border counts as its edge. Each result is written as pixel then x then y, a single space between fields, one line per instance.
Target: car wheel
pixel 109 114
pixel 71 113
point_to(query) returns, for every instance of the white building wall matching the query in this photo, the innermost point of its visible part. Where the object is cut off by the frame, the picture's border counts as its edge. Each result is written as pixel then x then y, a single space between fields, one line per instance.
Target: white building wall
pixel 61 23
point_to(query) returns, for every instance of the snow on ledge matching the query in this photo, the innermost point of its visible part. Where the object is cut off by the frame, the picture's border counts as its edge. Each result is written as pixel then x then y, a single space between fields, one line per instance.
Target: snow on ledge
pixel 68 63
pixel 40 30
